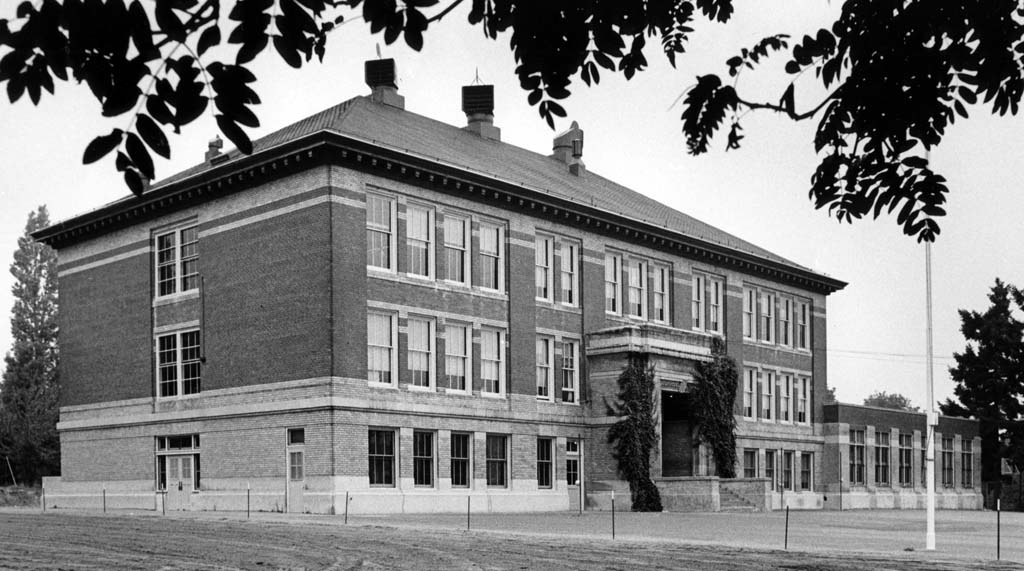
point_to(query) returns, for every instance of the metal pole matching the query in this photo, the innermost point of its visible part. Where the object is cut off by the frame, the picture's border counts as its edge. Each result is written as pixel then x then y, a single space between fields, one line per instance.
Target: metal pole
pixel 613 514
pixel 163 501
pixel 468 499
pixel 929 538
pixel 998 528
pixel 786 544
pixel 44 499
pixel 579 472
pixel 104 500
pixel 11 470
pixel 248 492
pixel 346 507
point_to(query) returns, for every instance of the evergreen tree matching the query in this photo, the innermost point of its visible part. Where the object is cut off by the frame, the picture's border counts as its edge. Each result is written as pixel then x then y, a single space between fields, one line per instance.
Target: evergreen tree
pixel 29 393
pixel 713 399
pixel 635 433
pixel 989 377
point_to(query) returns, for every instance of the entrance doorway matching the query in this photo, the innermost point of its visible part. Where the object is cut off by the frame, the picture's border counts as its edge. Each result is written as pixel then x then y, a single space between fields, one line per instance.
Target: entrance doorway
pixel 676 435
pixel 180 481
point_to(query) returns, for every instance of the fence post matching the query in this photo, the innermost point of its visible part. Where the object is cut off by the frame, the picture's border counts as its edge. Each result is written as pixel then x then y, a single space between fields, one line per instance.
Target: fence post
pixel 998 527
pixel 44 499
pixel 346 507
pixel 248 499
pixel 468 499
pixel 613 514
pixel 786 545
pixel 104 499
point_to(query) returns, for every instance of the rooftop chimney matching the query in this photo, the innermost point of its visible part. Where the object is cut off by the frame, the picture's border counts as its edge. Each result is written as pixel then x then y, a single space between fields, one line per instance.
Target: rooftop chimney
pixel 380 76
pixel 213 148
pixel 568 148
pixel 478 105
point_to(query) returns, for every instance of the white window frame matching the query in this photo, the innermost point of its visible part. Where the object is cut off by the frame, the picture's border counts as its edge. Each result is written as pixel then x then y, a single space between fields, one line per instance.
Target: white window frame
pixel 786 398
pixel 750 313
pixel 768 381
pixel 546 444
pixel 177 262
pixel 570 371
pixel 392 206
pixel 466 356
pixel 802 339
pixel 430 350
pixel 500 347
pixel 716 291
pixel 767 311
pixel 431 460
pixel 569 273
pixel 543 261
pixel 638 269
pixel 786 322
pixel 392 349
pixel 179 363
pixel 613 283
pixel 804 401
pixel 661 289
pixel 749 393
pixel 498 255
pixel 465 248
pixel 698 289
pixel 545 368
pixel 430 249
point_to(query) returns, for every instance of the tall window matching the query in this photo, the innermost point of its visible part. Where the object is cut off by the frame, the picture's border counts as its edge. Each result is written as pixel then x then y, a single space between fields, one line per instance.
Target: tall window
pixel 296 454
pixel 769 468
pixel 715 292
pixel 787 470
pixel 572 462
pixel 785 397
pixel 544 463
pixel 768 396
pixel 491 254
pixel 966 463
pixel 492 362
pixel 177 261
pixel 881 458
pixel 542 263
pixel 382 457
pixel 456 359
pixel 806 464
pixel 750 463
pixel 380 347
pixel 906 459
pixel 460 460
pixel 570 374
pixel 749 313
pixel 749 384
pixel 456 247
pixel 661 296
pixel 178 364
pixel 786 322
pixel 177 459
pixel 612 291
pixel 570 274
pixel 423 458
pixel 857 457
pixel 497 460
pixel 697 293
pixel 767 327
pixel 419 240
pixel 637 290
pixel 801 412
pixel 947 462
pixel 801 326
pixel 544 368
pixel 380 232
pixel 421 352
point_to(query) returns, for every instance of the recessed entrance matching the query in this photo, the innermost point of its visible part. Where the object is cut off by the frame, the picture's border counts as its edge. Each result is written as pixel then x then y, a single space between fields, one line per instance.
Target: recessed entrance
pixel 676 435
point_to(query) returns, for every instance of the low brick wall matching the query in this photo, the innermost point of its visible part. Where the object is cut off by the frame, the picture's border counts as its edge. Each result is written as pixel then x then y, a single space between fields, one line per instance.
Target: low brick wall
pixel 693 494
pixel 755 491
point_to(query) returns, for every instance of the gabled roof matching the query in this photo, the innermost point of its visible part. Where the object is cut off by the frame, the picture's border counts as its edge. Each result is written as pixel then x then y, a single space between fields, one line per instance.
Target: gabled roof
pixel 405 133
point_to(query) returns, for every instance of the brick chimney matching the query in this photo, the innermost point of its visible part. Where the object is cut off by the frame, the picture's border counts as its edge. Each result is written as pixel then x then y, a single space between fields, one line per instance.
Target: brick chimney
pixel 568 148
pixel 381 77
pixel 478 105
pixel 213 148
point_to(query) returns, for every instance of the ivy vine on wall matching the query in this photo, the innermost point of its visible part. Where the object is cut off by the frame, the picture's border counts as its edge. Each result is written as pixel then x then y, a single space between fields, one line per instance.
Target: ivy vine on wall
pixel 635 433
pixel 713 398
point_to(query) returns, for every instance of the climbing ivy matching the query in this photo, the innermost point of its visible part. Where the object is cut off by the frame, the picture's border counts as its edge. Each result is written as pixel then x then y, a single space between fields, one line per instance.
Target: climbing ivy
pixel 635 433
pixel 713 398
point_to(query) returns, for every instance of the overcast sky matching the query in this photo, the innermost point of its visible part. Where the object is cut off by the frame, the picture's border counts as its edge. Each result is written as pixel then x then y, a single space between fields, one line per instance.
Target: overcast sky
pixel 876 332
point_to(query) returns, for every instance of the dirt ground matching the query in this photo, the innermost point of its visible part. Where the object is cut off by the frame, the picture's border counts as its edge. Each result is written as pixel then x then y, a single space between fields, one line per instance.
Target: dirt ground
pixel 56 540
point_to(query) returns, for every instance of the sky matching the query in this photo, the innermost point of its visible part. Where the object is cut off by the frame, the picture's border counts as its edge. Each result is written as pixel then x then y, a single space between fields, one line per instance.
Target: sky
pixel 876 326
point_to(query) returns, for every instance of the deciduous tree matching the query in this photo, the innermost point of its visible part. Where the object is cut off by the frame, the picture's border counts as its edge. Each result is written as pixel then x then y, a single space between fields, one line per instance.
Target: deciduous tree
pixel 989 377
pixel 29 393
pixel 890 400
pixel 884 81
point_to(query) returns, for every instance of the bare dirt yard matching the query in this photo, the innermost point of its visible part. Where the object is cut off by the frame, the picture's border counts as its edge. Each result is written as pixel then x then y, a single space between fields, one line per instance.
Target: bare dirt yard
pixel 83 540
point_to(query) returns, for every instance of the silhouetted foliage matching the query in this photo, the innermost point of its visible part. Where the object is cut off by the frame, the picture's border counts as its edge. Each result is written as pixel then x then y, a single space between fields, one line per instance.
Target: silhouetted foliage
pixel 714 396
pixel 830 396
pixel 896 73
pixel 989 378
pixel 635 433
pixel 30 389
pixel 890 400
